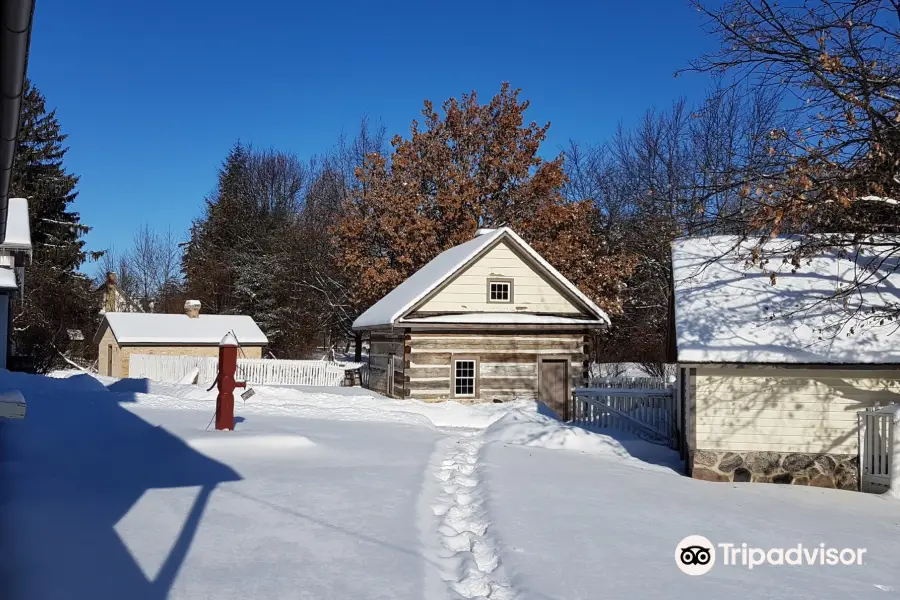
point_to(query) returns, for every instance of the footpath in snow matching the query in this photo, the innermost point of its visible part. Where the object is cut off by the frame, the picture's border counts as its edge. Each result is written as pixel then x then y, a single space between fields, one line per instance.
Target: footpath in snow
pixel 468 556
pixel 119 489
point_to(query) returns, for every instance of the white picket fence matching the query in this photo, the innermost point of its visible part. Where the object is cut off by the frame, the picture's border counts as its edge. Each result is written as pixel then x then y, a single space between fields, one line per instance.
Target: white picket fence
pixel 168 369
pixel 647 412
pixel 171 369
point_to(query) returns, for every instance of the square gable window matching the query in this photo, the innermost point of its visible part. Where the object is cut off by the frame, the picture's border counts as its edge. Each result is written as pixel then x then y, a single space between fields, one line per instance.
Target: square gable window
pixel 500 290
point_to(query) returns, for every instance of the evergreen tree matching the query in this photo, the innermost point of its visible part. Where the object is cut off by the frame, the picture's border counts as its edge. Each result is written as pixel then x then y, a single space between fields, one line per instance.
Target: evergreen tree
pixel 207 262
pixel 57 297
pixel 245 250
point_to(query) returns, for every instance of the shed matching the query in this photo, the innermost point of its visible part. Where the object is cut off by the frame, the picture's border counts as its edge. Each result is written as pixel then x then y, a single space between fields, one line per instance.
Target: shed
pixel 191 334
pixel 775 359
pixel 488 320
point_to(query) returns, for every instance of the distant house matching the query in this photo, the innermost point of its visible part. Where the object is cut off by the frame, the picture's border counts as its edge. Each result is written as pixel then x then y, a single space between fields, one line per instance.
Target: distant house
pixel 773 366
pixel 488 320
pixel 122 334
pixel 113 299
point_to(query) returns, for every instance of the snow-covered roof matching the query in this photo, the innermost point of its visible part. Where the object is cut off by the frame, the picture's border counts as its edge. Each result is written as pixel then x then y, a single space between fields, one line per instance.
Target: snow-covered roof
pixel 18 231
pixel 730 311
pixel 502 319
pixel 420 284
pixel 180 329
pixel 8 279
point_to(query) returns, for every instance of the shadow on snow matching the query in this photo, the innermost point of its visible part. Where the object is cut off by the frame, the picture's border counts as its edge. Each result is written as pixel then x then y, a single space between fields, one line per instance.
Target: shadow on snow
pixel 79 444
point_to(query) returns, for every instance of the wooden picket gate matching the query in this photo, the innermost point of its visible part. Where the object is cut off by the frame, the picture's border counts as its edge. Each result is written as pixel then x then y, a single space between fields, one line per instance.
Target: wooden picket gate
pixel 876 441
pixel 648 413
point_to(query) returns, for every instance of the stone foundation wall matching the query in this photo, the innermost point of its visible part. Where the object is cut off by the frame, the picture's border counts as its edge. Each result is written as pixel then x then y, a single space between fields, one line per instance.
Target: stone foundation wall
pixel 822 470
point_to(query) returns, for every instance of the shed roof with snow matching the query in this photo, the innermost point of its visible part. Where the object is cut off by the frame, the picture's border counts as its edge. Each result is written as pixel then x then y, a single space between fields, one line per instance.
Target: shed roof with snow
pixel 180 329
pixel 730 310
pixel 403 306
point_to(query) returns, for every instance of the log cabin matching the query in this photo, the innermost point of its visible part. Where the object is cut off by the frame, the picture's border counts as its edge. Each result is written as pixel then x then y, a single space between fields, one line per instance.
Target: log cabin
pixel 488 320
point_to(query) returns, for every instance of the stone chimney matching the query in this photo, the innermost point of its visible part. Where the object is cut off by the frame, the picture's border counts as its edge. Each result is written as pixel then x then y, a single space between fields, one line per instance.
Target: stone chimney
pixel 192 308
pixel 110 278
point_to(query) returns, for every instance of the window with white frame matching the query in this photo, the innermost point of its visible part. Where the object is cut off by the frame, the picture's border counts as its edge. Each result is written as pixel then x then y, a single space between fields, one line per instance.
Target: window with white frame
pixel 464 378
pixel 500 290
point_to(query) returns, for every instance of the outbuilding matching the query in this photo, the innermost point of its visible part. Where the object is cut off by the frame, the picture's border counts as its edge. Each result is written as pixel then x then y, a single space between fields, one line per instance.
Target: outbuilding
pixel 122 334
pixel 777 356
pixel 488 320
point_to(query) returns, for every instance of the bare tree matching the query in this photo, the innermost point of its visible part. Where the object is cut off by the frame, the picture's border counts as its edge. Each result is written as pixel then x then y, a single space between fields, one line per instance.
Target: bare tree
pixel 149 272
pixel 678 172
pixel 116 262
pixel 836 166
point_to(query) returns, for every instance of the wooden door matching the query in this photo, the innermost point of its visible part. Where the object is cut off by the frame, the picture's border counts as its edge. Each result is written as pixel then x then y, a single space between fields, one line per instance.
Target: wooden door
pixel 109 360
pixel 553 386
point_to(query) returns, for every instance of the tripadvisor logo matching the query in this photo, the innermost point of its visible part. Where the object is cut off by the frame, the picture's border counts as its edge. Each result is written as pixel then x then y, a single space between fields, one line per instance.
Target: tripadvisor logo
pixel 696 555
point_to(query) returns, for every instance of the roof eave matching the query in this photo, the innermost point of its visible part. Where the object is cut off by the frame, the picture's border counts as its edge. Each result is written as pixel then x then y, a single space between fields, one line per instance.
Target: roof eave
pixel 784 365
pixel 16 17
pixel 587 325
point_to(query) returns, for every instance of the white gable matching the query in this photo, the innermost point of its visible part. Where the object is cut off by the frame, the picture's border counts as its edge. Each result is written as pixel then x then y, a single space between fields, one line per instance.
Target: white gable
pixel 729 312
pixel 403 298
pixel 180 329
pixel 467 292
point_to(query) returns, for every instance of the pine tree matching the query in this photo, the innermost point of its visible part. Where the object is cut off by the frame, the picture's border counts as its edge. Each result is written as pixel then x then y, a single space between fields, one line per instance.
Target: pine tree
pixel 57 297
pixel 246 249
pixel 207 263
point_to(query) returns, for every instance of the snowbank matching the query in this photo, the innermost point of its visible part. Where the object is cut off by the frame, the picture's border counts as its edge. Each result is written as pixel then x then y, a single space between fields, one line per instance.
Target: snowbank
pixel 529 428
pixel 532 429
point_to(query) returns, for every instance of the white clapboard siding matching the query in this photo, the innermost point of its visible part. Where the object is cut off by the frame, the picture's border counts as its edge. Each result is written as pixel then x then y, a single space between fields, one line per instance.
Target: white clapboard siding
pixel 787 410
pixel 468 291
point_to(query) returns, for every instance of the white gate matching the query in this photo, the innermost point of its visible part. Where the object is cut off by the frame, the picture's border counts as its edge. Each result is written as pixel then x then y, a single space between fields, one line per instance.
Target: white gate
pixel 876 440
pixel 646 412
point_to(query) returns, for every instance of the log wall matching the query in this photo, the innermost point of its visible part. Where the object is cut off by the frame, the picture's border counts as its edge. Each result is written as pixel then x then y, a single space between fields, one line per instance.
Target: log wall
pixel 380 349
pixel 507 363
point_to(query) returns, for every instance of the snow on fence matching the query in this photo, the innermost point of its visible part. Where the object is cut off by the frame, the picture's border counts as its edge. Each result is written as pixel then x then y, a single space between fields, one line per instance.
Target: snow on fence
pixel 631 382
pixel 291 372
pixel 257 371
pixel 647 412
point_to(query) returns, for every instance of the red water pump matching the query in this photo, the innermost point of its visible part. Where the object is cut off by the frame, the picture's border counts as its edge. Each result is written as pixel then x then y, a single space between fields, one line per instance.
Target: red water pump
pixel 226 383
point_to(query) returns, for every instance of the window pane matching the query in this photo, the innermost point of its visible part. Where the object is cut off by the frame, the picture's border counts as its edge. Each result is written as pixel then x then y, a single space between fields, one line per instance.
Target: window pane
pixel 464 380
pixel 500 290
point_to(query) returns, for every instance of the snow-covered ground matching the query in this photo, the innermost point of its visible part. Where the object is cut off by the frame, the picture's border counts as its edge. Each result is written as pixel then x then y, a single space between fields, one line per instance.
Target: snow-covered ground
pixel 117 489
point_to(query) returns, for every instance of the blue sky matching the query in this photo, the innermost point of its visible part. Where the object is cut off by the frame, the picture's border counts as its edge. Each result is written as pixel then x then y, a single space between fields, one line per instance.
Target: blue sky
pixel 153 95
